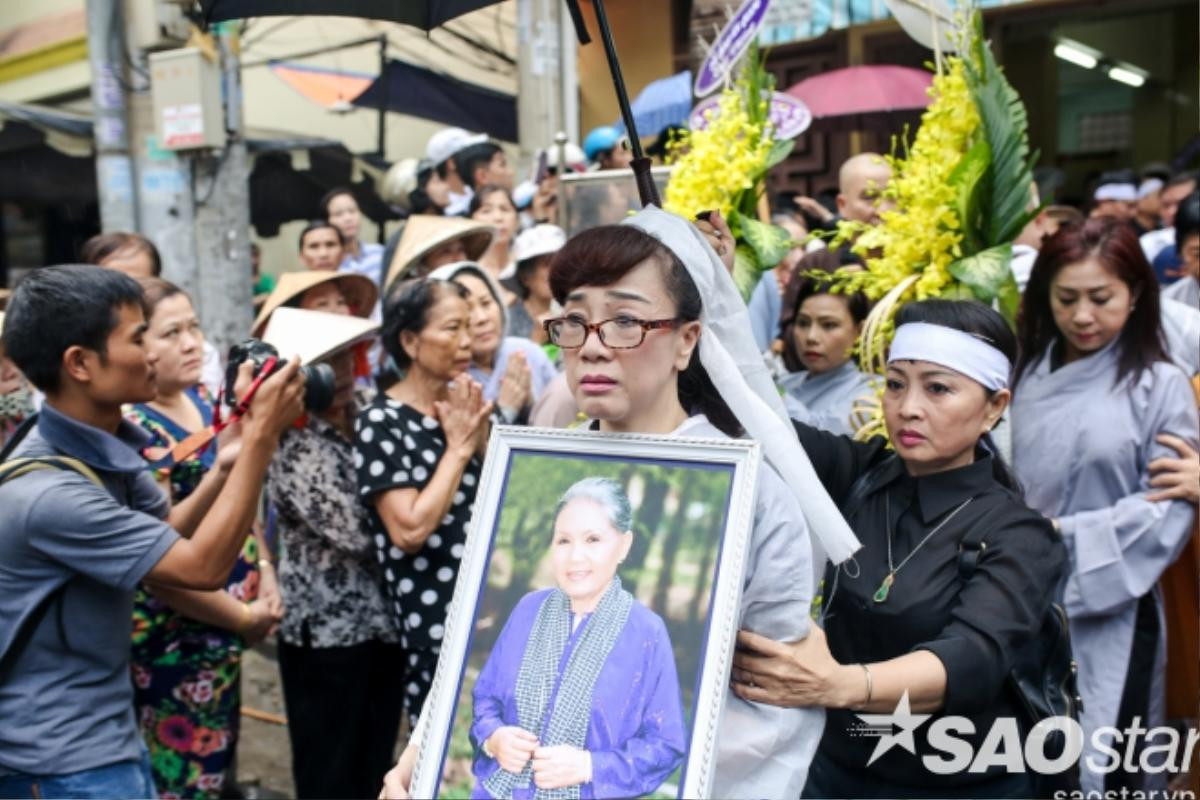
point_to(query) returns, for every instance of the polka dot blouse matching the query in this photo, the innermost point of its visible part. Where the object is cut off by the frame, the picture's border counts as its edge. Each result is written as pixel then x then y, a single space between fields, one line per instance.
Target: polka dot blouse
pixel 398 447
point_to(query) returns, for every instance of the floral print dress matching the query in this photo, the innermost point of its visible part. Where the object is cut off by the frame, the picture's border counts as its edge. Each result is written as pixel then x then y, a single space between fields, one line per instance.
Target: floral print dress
pixel 186 674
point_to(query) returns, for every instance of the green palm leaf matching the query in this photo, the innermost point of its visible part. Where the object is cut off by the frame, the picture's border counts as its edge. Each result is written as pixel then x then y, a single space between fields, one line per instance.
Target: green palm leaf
pixel 1004 125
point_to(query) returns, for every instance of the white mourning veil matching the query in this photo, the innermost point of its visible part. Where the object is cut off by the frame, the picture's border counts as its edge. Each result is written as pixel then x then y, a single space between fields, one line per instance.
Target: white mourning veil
pixel 731 358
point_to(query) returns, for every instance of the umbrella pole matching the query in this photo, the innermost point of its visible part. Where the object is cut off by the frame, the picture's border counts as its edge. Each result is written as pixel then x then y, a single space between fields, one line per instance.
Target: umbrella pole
pixel 647 191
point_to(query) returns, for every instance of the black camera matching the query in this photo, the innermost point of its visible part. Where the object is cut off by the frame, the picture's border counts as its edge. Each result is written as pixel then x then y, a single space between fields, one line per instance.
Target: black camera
pixel 319 381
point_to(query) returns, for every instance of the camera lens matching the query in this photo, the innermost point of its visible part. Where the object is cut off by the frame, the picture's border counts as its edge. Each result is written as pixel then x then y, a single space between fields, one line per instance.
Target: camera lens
pixel 319 386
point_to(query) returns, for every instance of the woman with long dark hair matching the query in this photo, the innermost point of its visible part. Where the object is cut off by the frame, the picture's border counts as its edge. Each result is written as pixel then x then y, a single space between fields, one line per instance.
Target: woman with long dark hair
pixel 818 331
pixel 1093 391
pixel 902 625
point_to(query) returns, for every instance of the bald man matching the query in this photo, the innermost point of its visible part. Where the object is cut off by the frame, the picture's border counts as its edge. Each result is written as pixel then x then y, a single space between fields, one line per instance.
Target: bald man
pixel 861 181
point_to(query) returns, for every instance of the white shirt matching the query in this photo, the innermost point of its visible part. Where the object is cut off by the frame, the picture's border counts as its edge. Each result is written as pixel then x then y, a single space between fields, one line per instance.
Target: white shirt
pixel 1154 242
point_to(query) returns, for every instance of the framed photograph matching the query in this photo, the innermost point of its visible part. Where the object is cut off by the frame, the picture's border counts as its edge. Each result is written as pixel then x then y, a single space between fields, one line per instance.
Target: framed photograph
pixel 588 645
pixel 605 197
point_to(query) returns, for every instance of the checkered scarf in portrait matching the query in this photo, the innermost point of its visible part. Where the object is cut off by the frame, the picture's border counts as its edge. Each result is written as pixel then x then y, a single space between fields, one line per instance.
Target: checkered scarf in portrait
pixel 568 719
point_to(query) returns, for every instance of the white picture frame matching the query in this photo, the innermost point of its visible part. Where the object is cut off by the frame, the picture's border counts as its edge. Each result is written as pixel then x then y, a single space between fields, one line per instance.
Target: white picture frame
pixel 739 458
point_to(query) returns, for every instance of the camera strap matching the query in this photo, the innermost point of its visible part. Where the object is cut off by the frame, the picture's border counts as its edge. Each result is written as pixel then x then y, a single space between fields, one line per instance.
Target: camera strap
pixel 168 457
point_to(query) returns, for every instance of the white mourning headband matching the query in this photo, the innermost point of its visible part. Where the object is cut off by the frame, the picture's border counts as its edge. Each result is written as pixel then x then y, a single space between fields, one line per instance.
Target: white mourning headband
pixel 1116 191
pixel 1149 187
pixel 955 349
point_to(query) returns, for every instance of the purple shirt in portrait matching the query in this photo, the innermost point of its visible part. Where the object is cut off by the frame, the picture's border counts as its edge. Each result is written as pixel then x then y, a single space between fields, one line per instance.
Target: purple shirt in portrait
pixel 636 732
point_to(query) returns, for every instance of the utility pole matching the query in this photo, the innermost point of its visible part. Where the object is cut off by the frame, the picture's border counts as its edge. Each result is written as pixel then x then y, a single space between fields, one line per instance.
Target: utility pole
pixel 115 178
pixel 166 212
pixel 201 227
pixel 539 77
pixel 222 215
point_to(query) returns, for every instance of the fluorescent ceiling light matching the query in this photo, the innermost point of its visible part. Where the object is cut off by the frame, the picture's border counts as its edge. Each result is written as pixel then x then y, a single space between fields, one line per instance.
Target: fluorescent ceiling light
pixel 1075 55
pixel 1126 76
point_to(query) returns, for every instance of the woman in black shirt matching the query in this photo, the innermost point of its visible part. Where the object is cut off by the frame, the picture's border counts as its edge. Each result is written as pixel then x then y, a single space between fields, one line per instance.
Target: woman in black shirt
pixel 899 620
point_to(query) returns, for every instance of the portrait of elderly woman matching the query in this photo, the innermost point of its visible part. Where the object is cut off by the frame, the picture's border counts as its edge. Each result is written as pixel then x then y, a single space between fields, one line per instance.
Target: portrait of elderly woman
pixel 580 696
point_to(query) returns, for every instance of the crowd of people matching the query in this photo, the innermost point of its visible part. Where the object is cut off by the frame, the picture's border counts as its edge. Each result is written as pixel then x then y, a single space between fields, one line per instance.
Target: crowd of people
pixel 166 506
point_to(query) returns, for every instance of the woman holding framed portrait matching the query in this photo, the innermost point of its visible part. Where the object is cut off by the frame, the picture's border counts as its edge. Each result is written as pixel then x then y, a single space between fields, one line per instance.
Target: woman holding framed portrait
pixel 636 298
pixel 585 665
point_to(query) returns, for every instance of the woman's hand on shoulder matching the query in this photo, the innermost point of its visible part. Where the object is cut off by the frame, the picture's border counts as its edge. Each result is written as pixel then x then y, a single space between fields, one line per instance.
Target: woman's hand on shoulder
pixel 461 415
pixel 512 747
pixel 1175 478
pixel 792 674
pixel 561 766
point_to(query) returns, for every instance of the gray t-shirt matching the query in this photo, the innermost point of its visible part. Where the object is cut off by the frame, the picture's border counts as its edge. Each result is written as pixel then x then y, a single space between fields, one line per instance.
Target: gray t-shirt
pixel 66 699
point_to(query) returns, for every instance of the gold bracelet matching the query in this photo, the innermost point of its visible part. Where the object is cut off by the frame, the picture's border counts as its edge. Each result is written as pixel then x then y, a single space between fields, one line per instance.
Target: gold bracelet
pixel 266 562
pixel 870 685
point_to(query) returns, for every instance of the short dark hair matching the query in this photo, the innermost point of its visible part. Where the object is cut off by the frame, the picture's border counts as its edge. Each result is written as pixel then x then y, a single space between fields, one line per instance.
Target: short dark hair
pixel 337 191
pixel 56 308
pixel 316 225
pixel 407 309
pixel 1116 247
pixel 601 256
pixel 1187 219
pixel 467 160
pixel 486 191
pixel 155 290
pixel 102 245
pixel 1180 178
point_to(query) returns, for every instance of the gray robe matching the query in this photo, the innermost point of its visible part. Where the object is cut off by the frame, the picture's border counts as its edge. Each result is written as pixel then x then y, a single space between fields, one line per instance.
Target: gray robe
pixel 1186 290
pixel 1181 329
pixel 825 401
pixel 764 751
pixel 1081 446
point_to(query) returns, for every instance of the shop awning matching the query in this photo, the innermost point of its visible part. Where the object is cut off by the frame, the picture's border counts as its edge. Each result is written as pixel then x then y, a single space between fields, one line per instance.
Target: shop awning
pixel 409 89
pixel 46 157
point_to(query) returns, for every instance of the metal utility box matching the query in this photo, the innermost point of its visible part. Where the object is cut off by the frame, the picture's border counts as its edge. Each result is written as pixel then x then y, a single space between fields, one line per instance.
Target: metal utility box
pixel 188 113
pixel 156 24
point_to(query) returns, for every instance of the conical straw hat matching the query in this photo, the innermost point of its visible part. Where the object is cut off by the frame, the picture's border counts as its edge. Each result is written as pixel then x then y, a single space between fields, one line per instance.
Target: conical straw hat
pixel 360 292
pixel 313 335
pixel 423 233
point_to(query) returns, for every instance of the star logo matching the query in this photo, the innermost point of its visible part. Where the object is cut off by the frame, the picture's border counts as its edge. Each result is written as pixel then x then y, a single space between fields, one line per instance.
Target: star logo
pixel 885 726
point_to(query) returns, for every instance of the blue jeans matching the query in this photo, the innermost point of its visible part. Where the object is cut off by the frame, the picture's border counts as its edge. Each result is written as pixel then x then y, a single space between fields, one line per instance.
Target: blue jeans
pixel 125 779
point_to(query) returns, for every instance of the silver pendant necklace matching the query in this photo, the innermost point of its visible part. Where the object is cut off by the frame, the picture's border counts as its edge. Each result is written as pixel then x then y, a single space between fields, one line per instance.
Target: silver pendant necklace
pixel 885 587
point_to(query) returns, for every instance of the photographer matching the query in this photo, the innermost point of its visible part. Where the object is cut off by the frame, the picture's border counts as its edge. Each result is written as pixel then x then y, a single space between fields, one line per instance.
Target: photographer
pixel 87 524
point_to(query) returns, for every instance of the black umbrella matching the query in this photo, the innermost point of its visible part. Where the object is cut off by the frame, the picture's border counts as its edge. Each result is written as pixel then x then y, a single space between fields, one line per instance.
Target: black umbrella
pixel 423 14
pixel 428 14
